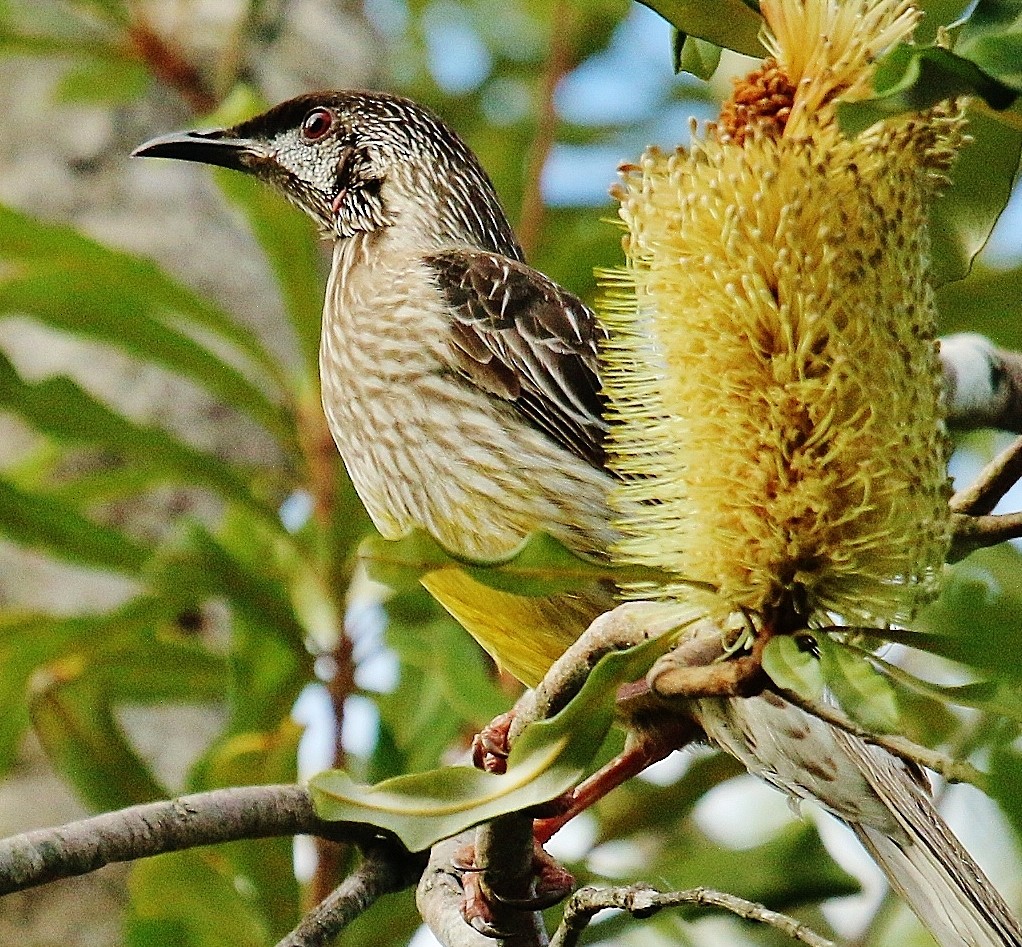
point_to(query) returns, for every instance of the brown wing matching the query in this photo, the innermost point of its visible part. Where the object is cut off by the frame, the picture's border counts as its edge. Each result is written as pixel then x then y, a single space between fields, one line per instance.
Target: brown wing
pixel 521 337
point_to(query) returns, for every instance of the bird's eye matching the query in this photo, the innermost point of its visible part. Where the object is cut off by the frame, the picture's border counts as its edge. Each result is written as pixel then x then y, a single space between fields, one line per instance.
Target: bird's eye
pixel 316 124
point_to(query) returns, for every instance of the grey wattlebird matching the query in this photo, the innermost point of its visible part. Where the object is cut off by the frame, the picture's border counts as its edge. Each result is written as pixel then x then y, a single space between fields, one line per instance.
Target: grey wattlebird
pixel 462 389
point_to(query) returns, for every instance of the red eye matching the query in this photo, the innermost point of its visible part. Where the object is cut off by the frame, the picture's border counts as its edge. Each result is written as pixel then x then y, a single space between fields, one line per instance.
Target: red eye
pixel 316 124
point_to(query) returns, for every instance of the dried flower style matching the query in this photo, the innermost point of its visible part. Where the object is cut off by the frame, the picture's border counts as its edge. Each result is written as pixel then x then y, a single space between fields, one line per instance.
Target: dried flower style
pixel 772 370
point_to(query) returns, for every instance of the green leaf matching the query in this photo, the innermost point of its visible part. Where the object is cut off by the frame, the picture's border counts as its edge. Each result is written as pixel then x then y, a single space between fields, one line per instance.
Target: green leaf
pixel 43 522
pixel 269 661
pixel 992 39
pixel 23 239
pixel 62 409
pixel 204 566
pixel 976 615
pixel 695 56
pixel 864 694
pixel 964 216
pixel 938 14
pixel 792 667
pixel 992 697
pixel 188 673
pixel 539 566
pixel 913 78
pixel 731 24
pixel 113 11
pixel 15 43
pixel 28 642
pixel 209 907
pixel 641 806
pixel 98 305
pixel 549 758
pixel 65 278
pixel 789 869
pixel 75 724
pixel 446 655
pixel 1005 779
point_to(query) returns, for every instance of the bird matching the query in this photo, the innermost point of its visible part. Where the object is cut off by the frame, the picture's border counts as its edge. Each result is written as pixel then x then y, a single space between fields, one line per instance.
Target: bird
pixel 462 388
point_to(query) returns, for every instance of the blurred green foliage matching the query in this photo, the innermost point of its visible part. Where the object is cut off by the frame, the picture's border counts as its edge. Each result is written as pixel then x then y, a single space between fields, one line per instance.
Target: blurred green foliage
pixel 244 609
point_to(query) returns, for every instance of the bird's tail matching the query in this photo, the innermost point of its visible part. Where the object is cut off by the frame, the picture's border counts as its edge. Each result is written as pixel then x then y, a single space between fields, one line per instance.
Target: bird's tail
pixel 885 803
pixel 937 877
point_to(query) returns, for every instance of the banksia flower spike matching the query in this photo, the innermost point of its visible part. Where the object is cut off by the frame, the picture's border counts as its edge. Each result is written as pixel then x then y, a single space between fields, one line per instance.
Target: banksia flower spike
pixel 772 369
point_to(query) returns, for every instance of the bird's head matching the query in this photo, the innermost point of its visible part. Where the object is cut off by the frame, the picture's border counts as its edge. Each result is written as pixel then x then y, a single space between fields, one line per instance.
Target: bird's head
pixel 359 162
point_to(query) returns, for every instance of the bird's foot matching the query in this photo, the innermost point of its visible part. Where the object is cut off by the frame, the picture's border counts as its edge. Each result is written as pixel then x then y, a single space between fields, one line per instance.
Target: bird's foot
pixel 490 745
pixel 552 883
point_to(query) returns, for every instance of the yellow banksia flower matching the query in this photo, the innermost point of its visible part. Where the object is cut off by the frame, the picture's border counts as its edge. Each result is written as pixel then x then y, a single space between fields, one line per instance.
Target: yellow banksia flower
pixel 772 371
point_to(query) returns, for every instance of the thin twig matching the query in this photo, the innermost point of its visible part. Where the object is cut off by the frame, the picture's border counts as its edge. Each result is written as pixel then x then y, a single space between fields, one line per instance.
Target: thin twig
pixel 993 482
pixel 560 60
pixel 623 627
pixel 208 818
pixel 954 771
pixel 979 532
pixel 168 64
pixel 642 902
pixel 380 873
pixel 331 856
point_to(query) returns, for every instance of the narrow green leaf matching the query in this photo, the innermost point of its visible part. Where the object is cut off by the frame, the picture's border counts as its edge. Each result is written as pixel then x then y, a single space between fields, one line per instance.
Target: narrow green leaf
pixel 791 868
pixel 251 757
pixel 43 522
pixel 731 24
pixel 1005 779
pixel 113 11
pixel 99 486
pixel 200 563
pixel 28 642
pixel 209 907
pixel 62 409
pixel 73 720
pixel 269 662
pixel 539 566
pixel 863 693
pixel 23 239
pixel 17 43
pixel 992 39
pixel 976 616
pixel 267 674
pixel 695 56
pixel 549 758
pixel 188 673
pixel 992 697
pixel 445 653
pixel 792 667
pixel 98 306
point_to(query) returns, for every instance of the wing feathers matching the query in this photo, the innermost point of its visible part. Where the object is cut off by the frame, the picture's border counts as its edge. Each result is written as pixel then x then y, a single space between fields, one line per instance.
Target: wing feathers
pixel 520 337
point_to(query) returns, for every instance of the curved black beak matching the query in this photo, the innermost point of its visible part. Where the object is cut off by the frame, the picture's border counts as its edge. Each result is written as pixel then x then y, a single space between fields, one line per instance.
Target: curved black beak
pixel 213 147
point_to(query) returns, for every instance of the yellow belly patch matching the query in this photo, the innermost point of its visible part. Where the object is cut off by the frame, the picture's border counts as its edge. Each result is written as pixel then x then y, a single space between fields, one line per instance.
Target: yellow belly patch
pixel 523 634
